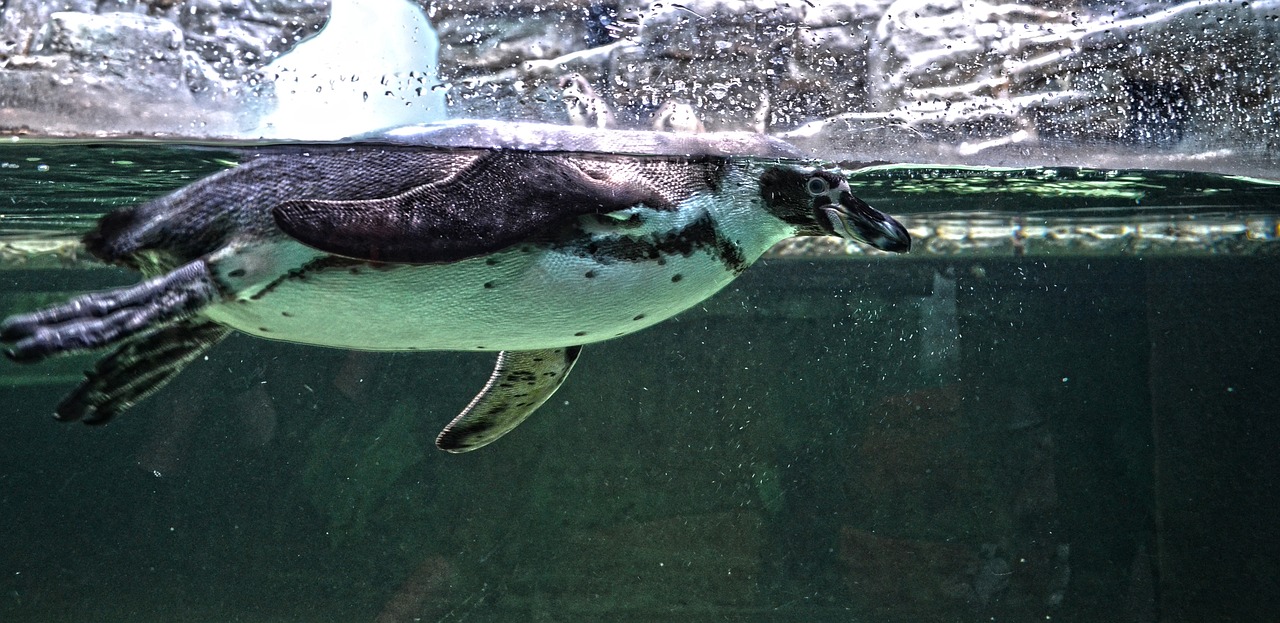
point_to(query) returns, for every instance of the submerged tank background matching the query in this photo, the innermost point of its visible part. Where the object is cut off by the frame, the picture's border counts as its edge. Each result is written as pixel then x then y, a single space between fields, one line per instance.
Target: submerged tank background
pixel 1057 406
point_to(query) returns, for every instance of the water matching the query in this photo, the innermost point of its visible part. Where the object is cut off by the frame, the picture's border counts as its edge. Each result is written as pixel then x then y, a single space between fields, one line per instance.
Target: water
pixel 1058 407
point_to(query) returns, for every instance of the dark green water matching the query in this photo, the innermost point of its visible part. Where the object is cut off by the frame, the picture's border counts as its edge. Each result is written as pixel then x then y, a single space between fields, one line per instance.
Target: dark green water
pixel 1061 407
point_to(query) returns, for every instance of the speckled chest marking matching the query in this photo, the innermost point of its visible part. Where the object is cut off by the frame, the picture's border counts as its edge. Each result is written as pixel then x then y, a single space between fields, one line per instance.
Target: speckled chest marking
pixel 600 278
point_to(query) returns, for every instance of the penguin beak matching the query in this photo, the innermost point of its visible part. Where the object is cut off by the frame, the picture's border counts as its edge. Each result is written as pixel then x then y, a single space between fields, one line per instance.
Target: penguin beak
pixel 852 219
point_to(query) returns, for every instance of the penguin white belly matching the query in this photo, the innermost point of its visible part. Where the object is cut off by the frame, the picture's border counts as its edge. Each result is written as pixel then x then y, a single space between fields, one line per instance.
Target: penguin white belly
pixel 512 300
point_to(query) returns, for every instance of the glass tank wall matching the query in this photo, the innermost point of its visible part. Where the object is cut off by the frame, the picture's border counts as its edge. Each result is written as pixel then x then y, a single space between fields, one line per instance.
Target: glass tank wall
pixel 1057 406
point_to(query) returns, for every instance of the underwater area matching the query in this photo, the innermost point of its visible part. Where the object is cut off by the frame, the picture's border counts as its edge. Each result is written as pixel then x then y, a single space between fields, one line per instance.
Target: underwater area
pixel 1075 422
pixel 1058 406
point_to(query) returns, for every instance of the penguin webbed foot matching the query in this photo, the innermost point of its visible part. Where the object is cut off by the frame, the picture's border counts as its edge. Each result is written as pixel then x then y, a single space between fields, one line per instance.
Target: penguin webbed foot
pixel 99 319
pixel 136 369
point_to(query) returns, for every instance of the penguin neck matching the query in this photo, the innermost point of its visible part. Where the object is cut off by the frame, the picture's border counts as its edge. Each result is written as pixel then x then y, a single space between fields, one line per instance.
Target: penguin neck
pixel 742 215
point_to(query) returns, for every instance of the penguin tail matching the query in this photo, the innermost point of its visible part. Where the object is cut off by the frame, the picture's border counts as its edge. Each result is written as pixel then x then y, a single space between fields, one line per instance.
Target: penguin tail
pixel 116 237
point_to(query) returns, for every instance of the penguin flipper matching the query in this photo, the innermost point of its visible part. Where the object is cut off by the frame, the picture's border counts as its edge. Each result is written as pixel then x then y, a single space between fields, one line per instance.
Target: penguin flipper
pixel 136 369
pixel 493 202
pixel 521 382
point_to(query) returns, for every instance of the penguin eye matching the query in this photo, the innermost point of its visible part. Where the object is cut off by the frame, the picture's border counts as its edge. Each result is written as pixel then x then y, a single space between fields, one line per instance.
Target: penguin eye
pixel 818 186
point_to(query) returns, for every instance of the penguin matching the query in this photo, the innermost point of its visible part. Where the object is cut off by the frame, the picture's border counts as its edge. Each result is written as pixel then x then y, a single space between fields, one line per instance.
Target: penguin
pixel 586 109
pixel 523 239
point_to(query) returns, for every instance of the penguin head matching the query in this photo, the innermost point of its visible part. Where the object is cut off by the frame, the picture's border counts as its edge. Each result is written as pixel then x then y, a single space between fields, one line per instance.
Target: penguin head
pixel 575 88
pixel 819 203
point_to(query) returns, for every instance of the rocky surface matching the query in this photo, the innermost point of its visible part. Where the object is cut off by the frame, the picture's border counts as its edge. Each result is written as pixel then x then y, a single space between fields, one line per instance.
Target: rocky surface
pixel 899 76
pixel 156 66
pixel 1154 78
pixel 923 78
